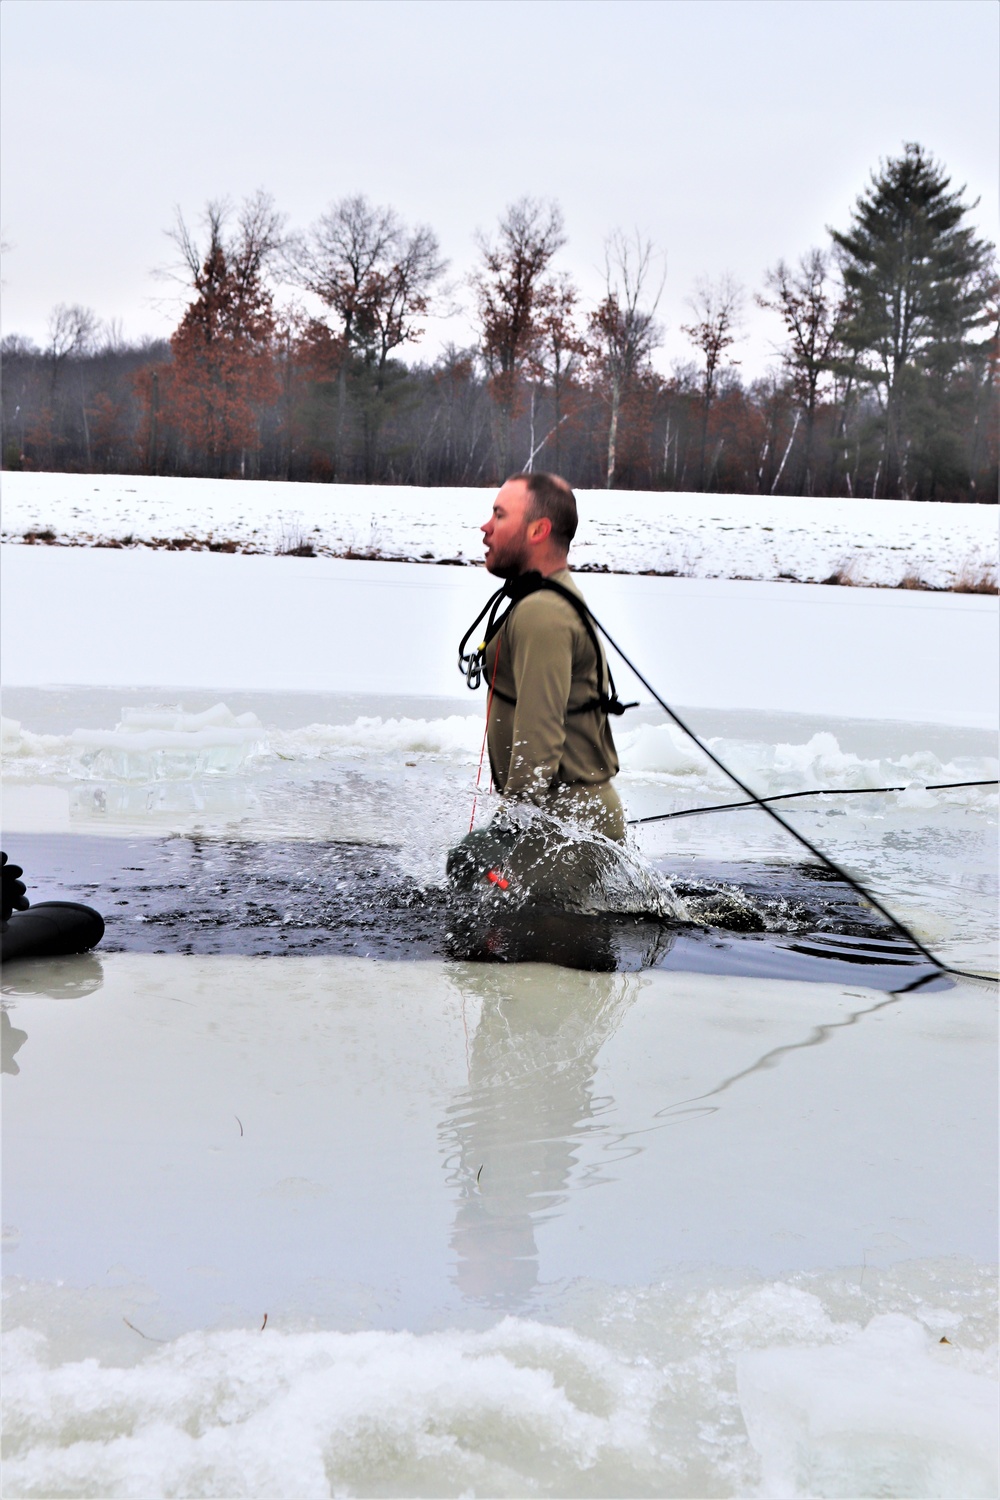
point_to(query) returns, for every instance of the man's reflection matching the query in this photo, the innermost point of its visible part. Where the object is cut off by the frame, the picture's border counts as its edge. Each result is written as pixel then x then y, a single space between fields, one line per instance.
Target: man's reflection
pixel 513 1133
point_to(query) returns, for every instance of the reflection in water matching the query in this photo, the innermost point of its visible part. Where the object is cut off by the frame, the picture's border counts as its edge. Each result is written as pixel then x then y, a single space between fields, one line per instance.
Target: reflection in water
pixel 60 978
pixel 512 1135
pixel 12 1039
pixel 771 1059
pixel 63 978
pixel 599 941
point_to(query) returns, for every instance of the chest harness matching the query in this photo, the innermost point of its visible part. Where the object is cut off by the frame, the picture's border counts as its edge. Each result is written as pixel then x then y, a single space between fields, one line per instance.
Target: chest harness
pixel 497 611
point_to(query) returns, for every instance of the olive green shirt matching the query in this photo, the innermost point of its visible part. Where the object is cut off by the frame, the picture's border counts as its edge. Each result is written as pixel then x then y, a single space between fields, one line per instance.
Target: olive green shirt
pixel 544 658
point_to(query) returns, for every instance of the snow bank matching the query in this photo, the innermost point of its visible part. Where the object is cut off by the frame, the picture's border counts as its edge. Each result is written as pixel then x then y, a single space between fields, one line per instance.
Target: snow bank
pixel 686 535
pixel 661 752
pixel 638 1399
pixel 314 1414
pixel 458 735
pixel 886 1412
pixel 146 745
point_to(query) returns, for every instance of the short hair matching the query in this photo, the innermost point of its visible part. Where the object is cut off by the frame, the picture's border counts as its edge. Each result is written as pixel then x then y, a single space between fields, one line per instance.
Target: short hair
pixel 551 498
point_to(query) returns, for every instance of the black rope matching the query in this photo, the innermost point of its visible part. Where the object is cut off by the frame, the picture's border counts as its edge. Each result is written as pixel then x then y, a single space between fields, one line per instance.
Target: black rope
pixel 828 791
pixel 806 843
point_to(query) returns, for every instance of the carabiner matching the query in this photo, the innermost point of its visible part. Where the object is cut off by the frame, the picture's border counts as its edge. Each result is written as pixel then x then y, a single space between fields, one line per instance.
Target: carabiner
pixel 472 666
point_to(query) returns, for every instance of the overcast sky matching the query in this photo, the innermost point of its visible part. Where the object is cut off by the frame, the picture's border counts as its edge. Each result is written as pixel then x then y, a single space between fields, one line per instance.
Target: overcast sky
pixel 731 132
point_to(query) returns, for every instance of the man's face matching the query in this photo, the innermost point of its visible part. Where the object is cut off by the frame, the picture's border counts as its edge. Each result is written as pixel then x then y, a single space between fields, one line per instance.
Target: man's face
pixel 508 551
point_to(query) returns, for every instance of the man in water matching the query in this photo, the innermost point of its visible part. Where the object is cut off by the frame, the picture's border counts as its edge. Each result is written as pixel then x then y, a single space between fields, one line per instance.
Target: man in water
pixel 549 741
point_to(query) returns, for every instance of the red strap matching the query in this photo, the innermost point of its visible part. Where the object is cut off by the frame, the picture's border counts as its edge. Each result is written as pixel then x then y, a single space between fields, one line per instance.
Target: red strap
pixel 486 730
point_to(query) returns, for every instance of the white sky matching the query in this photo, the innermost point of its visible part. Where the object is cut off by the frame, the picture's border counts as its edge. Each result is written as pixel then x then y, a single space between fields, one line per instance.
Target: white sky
pixel 729 131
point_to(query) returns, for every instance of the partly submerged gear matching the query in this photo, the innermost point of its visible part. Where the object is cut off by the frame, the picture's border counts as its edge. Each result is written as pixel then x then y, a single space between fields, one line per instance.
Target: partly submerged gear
pixel 51 929
pixel 12 887
pixel 48 929
pixel 531 887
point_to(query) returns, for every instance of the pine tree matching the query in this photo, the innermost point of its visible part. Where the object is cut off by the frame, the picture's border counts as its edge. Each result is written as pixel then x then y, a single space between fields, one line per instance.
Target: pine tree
pixel 913 274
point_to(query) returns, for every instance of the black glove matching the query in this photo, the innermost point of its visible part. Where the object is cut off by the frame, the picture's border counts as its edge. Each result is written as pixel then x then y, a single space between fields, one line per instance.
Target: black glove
pixel 14 898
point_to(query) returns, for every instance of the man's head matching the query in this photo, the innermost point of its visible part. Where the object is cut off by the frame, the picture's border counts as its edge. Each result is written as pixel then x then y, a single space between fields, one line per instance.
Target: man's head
pixel 533 522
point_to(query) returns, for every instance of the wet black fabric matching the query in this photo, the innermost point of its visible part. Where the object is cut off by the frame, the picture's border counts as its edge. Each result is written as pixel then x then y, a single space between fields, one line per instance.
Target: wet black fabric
pixel 51 929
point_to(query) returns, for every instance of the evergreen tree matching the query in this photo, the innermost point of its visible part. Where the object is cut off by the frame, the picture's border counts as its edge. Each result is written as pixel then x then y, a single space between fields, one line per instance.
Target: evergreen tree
pixel 914 278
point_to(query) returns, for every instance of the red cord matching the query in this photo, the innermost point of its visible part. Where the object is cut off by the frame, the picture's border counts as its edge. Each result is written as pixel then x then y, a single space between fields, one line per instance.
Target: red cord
pixel 486 730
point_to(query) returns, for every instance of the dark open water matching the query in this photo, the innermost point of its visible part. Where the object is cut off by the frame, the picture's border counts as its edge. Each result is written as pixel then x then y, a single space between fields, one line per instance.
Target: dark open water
pixel 296 897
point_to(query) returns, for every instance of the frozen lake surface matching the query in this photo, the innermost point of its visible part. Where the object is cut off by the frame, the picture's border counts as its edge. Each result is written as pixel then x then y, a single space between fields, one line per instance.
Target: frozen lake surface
pixel 92 617
pixel 695 1230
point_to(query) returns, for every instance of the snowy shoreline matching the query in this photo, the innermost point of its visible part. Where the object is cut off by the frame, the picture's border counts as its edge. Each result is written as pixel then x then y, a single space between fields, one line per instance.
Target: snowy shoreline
pixel 869 543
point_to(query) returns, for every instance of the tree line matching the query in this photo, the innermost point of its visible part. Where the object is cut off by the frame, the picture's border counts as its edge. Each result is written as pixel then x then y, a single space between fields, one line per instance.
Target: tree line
pixel 288 360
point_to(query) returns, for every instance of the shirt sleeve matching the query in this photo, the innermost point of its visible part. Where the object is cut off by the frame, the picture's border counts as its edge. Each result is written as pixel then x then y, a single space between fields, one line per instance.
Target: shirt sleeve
pixel 541 645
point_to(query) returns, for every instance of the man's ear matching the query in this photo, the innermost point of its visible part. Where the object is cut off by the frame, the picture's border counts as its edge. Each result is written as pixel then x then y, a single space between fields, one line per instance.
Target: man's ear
pixel 540 529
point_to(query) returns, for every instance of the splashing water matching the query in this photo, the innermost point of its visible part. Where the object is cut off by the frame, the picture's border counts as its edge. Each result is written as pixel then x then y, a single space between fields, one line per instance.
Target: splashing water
pixel 404 782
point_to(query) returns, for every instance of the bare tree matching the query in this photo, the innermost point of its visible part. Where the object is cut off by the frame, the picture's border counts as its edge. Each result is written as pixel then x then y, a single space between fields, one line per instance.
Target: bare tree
pixel 623 333
pixel 249 241
pixel 73 334
pixel 375 276
pixel 809 308
pixel 400 295
pixel 113 340
pixel 558 351
pixel 512 290
pixel 717 307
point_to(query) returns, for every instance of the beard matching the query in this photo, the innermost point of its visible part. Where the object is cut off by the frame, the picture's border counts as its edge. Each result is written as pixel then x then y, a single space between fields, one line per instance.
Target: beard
pixel 509 561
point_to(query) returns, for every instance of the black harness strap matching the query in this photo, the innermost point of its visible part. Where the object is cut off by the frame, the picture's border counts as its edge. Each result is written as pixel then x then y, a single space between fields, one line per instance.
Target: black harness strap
pixel 472 664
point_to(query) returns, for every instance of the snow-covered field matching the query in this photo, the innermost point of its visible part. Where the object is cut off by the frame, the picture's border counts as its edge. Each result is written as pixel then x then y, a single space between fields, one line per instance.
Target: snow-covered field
pixel 874 542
